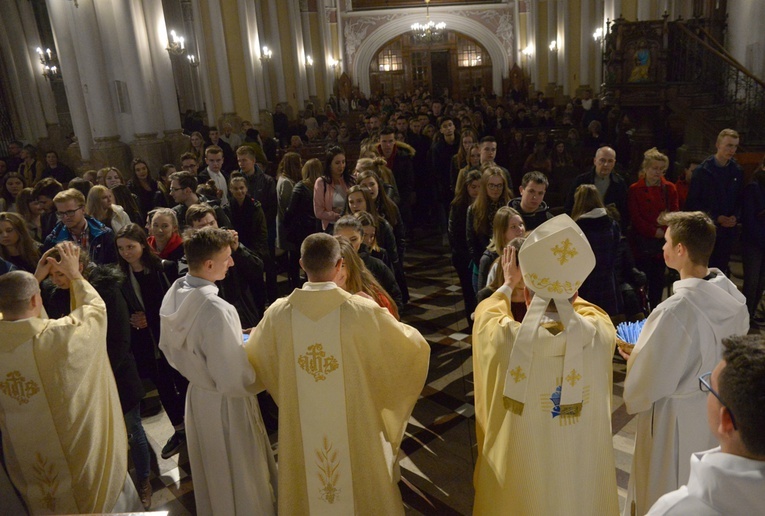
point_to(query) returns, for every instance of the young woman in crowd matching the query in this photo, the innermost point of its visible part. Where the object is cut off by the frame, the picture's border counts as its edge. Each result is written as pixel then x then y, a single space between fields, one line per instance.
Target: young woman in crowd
pixel 330 190
pixel 496 279
pixel 129 202
pixel 143 186
pixel 31 211
pixel 13 184
pixel 164 239
pixel 148 278
pixel 604 235
pixel 561 157
pixel 465 196
pixel 354 277
pixel 162 198
pixel 492 195
pixel 468 138
pixel 508 224
pixel 16 244
pixel 359 200
pixel 30 169
pixel 247 218
pixel 108 281
pixel 287 176
pixel 474 163
pixel 111 177
pixel 377 164
pixel 538 160
pixel 648 198
pixel 299 216
pixel 197 147
pixel 100 205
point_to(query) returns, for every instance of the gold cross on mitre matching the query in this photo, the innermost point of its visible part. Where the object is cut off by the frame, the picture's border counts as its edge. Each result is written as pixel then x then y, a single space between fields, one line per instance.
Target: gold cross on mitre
pixel 564 252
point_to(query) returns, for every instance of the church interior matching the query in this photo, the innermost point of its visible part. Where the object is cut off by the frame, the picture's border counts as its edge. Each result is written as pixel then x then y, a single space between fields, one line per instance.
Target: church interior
pixel 102 82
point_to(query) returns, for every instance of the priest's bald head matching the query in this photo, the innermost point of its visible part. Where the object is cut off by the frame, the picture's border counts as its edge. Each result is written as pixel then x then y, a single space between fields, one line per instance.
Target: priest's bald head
pixel 19 296
pixel 320 257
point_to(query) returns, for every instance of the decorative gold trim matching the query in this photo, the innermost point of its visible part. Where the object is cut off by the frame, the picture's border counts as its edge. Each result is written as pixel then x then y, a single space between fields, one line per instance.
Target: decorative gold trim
pixel 554 287
pixel 46 475
pixel 328 464
pixel 316 363
pixel 19 388
pixel 514 406
pixel 566 251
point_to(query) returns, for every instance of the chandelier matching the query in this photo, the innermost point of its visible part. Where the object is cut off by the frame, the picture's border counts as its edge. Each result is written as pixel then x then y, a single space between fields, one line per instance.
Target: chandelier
pixel 429 31
pixel 49 61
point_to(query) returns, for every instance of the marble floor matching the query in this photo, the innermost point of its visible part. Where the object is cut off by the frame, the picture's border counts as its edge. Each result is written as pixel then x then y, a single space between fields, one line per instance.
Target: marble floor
pixel 439 449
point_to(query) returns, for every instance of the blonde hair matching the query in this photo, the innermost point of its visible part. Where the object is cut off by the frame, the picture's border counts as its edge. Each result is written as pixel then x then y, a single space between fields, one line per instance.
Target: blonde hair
pixel 501 222
pixel 649 157
pixel 70 194
pixel 312 170
pixel 359 279
pixel 94 208
pixel 379 166
pixel 727 132
pixel 480 207
pixel 586 198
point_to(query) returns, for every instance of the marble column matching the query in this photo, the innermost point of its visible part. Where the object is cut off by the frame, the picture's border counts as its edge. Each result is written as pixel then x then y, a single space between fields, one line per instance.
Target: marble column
pixel 532 41
pixel 517 31
pixel 221 68
pixel 67 58
pixel 263 64
pixel 601 16
pixel 585 44
pixel 204 72
pixel 326 39
pixel 275 44
pixel 564 40
pixel 552 55
pixel 21 53
pixel 43 88
pixel 308 46
pixel 644 10
pixel 107 148
pixel 253 71
pixel 293 11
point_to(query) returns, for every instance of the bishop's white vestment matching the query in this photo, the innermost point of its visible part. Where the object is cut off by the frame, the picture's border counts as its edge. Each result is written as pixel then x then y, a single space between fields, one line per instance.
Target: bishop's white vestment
pixel 541 461
pixel 231 460
pixel 346 376
pixel 681 340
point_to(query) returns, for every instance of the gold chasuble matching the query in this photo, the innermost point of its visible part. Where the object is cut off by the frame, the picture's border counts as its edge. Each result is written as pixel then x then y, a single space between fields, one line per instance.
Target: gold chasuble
pixel 63 431
pixel 346 376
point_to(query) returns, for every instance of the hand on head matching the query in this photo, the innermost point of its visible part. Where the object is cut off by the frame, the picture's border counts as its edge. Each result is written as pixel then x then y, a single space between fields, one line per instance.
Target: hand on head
pixel 69 264
pixel 510 267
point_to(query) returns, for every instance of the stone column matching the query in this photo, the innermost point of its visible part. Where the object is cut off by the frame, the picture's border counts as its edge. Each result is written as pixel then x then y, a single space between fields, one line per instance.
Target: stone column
pixel 253 71
pixel 107 148
pixel 585 45
pixel 275 44
pixel 21 52
pixel 644 10
pixel 222 72
pixel 293 10
pixel 162 71
pixel 204 71
pixel 552 55
pixel 532 22
pixel 564 40
pixel 60 24
pixel 601 16
pixel 269 100
pixel 517 31
pixel 326 39
pixel 308 46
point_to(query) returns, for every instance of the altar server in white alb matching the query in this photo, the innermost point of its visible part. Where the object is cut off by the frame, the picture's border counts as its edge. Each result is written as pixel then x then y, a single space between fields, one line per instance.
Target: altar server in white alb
pixel 543 387
pixel 63 433
pixel 201 336
pixel 729 479
pixel 681 339
pixel 346 376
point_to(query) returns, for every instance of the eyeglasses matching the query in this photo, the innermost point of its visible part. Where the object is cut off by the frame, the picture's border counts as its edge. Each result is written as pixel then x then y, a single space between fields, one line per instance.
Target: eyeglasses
pixel 493 186
pixel 705 385
pixel 67 214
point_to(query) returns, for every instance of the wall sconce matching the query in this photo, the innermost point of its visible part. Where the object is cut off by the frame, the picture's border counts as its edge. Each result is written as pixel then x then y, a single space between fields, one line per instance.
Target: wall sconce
pixel 528 51
pixel 554 45
pixel 176 45
pixel 598 34
pixel 333 63
pixel 193 61
pixel 49 61
pixel 266 54
pixel 309 61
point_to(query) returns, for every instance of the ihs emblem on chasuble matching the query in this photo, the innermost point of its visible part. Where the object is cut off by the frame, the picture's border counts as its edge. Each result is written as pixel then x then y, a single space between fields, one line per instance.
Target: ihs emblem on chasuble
pixel 316 363
pixel 18 387
pixel 551 403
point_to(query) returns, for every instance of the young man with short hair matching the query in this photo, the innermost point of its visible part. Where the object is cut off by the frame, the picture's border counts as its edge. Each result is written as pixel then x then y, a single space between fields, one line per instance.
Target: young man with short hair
pixel 357 373
pixel 183 187
pixel 729 479
pixel 214 170
pixel 228 153
pixel 399 159
pixel 531 204
pixel 201 336
pixel 440 162
pixel 488 147
pixel 716 189
pixel 680 339
pixel 88 233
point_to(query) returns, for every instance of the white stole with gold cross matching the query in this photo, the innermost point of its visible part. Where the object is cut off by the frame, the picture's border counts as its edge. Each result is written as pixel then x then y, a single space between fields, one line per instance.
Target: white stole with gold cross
pixel 321 401
pixel 29 426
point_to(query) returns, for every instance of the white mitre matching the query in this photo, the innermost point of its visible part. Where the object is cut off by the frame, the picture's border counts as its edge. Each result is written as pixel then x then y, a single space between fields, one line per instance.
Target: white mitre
pixel 555 260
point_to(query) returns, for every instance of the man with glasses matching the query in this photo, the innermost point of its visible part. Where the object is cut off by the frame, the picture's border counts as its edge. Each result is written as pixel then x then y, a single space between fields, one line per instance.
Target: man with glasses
pixel 680 340
pixel 87 232
pixel 729 479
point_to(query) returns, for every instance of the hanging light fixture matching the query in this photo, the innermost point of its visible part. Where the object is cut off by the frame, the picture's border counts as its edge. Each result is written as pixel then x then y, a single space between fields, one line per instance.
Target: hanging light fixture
pixel 49 62
pixel 429 31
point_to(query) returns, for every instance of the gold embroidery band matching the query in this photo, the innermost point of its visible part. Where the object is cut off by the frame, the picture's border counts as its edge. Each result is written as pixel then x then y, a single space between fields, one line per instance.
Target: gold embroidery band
pixel 511 405
pixel 571 410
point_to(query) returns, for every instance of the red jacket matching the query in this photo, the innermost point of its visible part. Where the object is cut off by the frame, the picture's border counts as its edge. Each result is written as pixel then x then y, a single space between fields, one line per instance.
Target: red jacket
pixel 646 203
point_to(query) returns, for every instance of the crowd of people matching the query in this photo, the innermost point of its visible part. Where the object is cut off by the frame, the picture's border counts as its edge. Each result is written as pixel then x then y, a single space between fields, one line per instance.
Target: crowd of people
pixel 175 268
